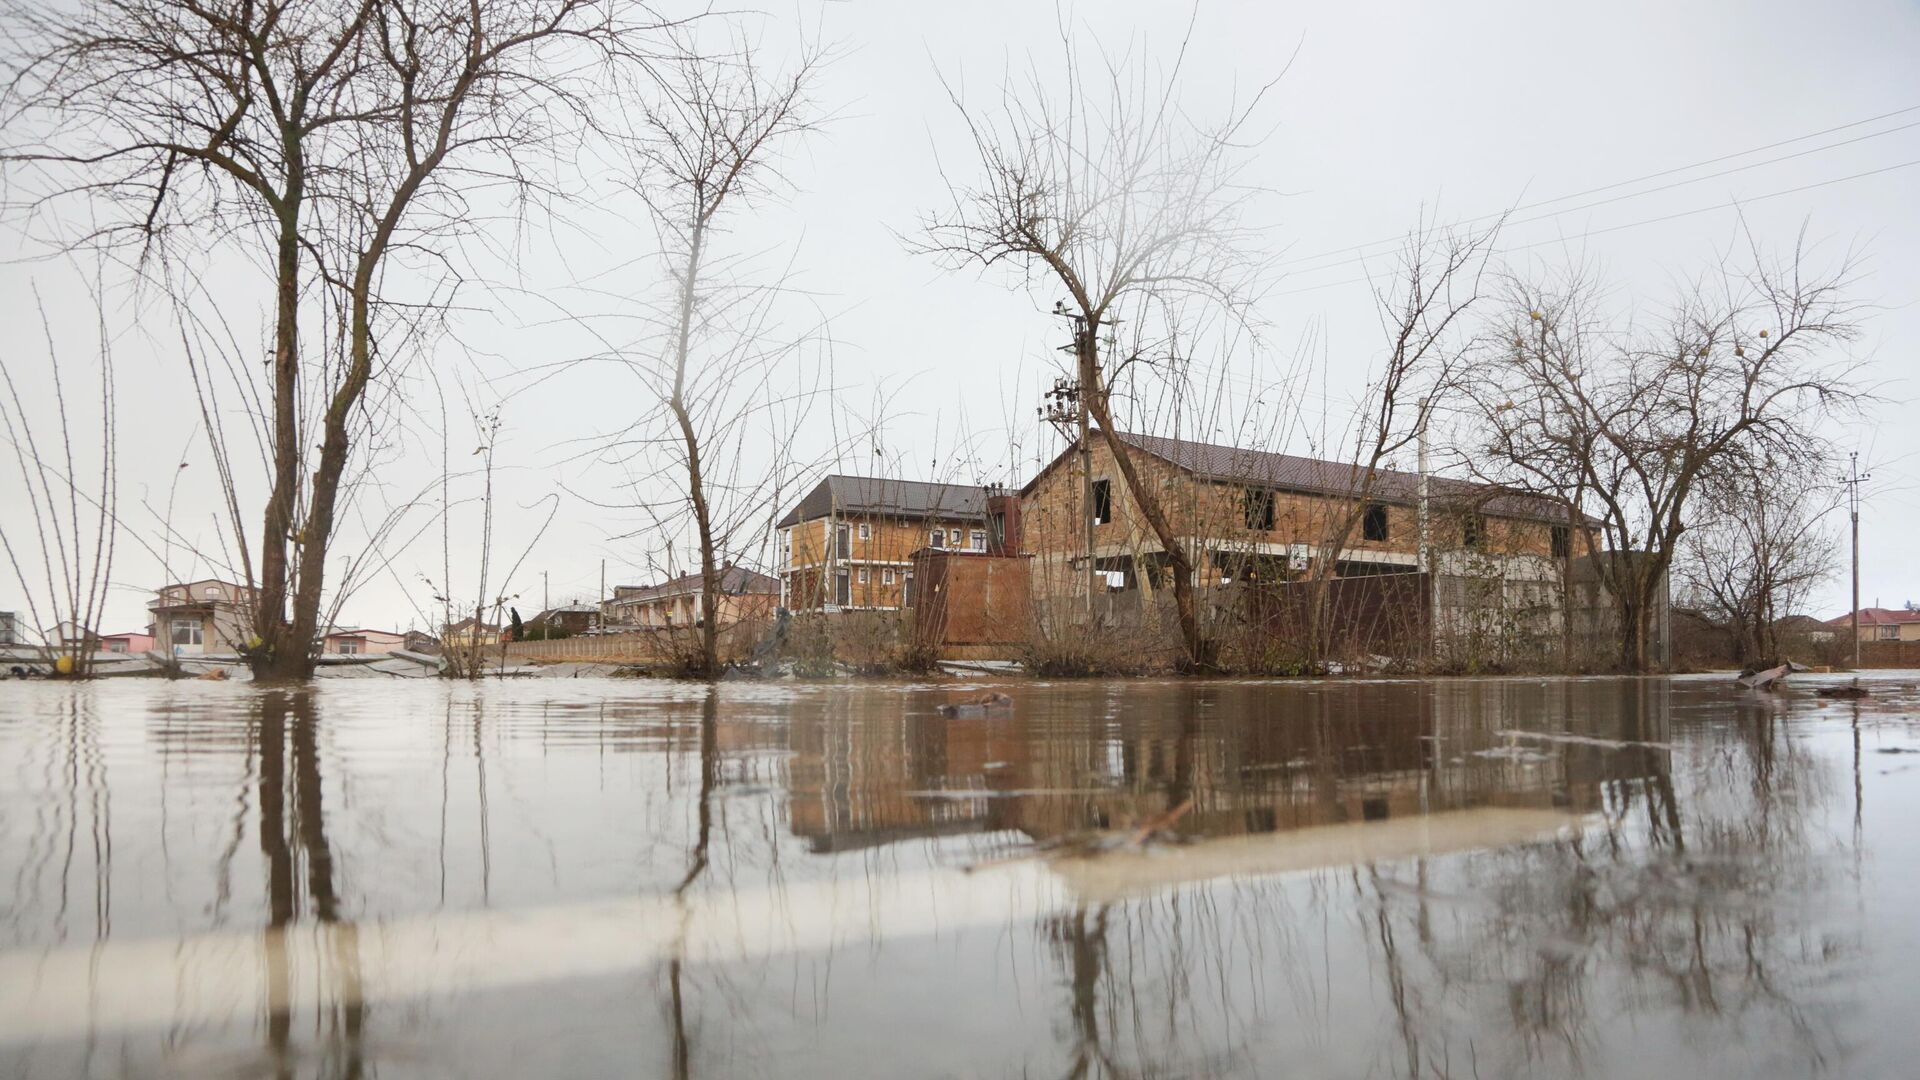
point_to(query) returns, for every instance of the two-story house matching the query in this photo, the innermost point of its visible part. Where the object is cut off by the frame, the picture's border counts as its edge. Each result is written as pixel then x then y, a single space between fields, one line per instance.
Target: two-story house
pixel 208 616
pixel 849 543
pixel 1249 515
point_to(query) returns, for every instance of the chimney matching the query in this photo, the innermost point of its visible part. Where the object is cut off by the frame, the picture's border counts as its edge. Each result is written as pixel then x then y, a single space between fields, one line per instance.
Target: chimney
pixel 1003 522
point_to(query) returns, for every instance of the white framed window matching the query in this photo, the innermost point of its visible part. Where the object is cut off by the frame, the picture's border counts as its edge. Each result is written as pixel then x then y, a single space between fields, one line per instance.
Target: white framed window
pixel 937 538
pixel 977 540
pixel 866 576
pixel 956 538
pixel 1887 633
pixel 211 592
pixel 349 648
pixel 186 632
pixel 886 576
pixel 866 531
pixel 116 646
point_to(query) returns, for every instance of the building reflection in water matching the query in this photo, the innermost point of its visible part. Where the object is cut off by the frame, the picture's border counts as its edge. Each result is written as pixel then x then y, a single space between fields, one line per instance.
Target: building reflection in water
pixel 862 777
pixel 1693 905
pixel 1649 907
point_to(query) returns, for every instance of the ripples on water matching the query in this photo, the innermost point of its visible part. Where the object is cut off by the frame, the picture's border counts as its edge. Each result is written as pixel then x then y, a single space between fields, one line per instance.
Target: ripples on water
pixel 580 877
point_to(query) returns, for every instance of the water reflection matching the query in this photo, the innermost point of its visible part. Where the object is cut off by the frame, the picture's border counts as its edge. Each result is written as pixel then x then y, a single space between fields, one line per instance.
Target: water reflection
pixel 1495 878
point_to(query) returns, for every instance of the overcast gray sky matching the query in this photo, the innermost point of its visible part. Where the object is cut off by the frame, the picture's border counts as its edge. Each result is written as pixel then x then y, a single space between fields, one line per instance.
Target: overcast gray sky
pixel 1386 112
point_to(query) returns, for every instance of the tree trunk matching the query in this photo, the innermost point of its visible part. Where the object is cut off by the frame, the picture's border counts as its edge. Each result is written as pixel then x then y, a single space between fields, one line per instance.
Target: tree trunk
pixel 707 664
pixel 1199 649
pixel 270 603
pixel 295 660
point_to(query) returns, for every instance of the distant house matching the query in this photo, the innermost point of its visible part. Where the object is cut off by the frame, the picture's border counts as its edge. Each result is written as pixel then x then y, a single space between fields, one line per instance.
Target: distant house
pixel 208 616
pixel 570 618
pixel 1881 624
pixel 1806 627
pixel 849 543
pixel 467 633
pixel 420 641
pixel 130 642
pixel 357 641
pixel 66 634
pixel 744 595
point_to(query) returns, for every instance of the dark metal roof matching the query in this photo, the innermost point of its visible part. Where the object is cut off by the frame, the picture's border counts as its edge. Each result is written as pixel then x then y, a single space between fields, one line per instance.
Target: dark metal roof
pixel 874 496
pixel 1289 472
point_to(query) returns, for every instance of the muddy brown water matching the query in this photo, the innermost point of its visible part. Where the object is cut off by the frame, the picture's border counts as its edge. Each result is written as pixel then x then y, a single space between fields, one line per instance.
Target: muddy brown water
pixel 1600 877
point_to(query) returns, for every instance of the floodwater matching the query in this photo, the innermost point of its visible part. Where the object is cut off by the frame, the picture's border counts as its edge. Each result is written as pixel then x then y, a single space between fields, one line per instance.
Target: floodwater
pixel 1599 877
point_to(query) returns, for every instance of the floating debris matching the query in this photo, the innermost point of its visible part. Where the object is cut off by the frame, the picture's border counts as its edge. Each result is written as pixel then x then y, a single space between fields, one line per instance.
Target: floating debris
pixel 1843 692
pixel 1764 680
pixel 992 701
pixel 1582 740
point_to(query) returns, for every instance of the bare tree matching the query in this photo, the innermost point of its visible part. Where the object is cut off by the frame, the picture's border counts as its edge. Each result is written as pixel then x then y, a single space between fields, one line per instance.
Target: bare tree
pixel 1438 280
pixel 707 148
pixel 342 143
pixel 1759 549
pixel 1635 417
pixel 1105 190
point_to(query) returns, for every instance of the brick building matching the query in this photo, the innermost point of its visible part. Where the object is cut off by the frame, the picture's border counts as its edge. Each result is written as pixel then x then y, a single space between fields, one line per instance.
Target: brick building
pixel 849 544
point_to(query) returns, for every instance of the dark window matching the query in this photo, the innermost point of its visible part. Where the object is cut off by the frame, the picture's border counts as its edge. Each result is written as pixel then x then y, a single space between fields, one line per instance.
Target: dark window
pixel 841 546
pixel 937 538
pixel 1257 504
pixel 1102 502
pixel 1562 542
pixel 843 589
pixel 1474 531
pixel 1374 525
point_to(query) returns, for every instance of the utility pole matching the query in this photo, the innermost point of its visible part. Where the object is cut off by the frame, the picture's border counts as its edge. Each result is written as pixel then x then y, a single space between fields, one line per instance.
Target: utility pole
pixel 544 604
pixel 1853 480
pixel 1066 410
pixel 1426 544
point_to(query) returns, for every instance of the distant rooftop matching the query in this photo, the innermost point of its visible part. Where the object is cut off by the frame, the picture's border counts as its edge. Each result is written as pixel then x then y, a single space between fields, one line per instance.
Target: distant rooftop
pixel 1878 616
pixel 874 496
pixel 1290 472
pixel 734 581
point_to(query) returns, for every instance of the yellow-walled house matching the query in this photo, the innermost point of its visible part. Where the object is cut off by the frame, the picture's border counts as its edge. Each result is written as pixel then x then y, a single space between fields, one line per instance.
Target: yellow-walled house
pixel 848 544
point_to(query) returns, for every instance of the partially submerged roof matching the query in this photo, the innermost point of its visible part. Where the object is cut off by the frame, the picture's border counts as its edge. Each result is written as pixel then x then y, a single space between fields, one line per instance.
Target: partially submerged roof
pixel 1318 476
pixel 872 496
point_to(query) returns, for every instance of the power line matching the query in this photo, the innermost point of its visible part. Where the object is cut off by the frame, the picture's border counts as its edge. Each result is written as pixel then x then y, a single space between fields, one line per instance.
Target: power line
pixel 1652 190
pixel 1640 179
pixel 1645 221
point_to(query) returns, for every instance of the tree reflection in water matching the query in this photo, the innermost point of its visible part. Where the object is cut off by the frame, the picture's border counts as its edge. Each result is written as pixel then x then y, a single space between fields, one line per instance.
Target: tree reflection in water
pixel 293 840
pixel 1706 915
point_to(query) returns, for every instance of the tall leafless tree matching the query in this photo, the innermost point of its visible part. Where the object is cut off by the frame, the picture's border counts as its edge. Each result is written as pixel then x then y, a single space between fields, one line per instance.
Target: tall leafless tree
pixel 1421 316
pixel 710 147
pixel 1105 190
pixel 1633 416
pixel 343 143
